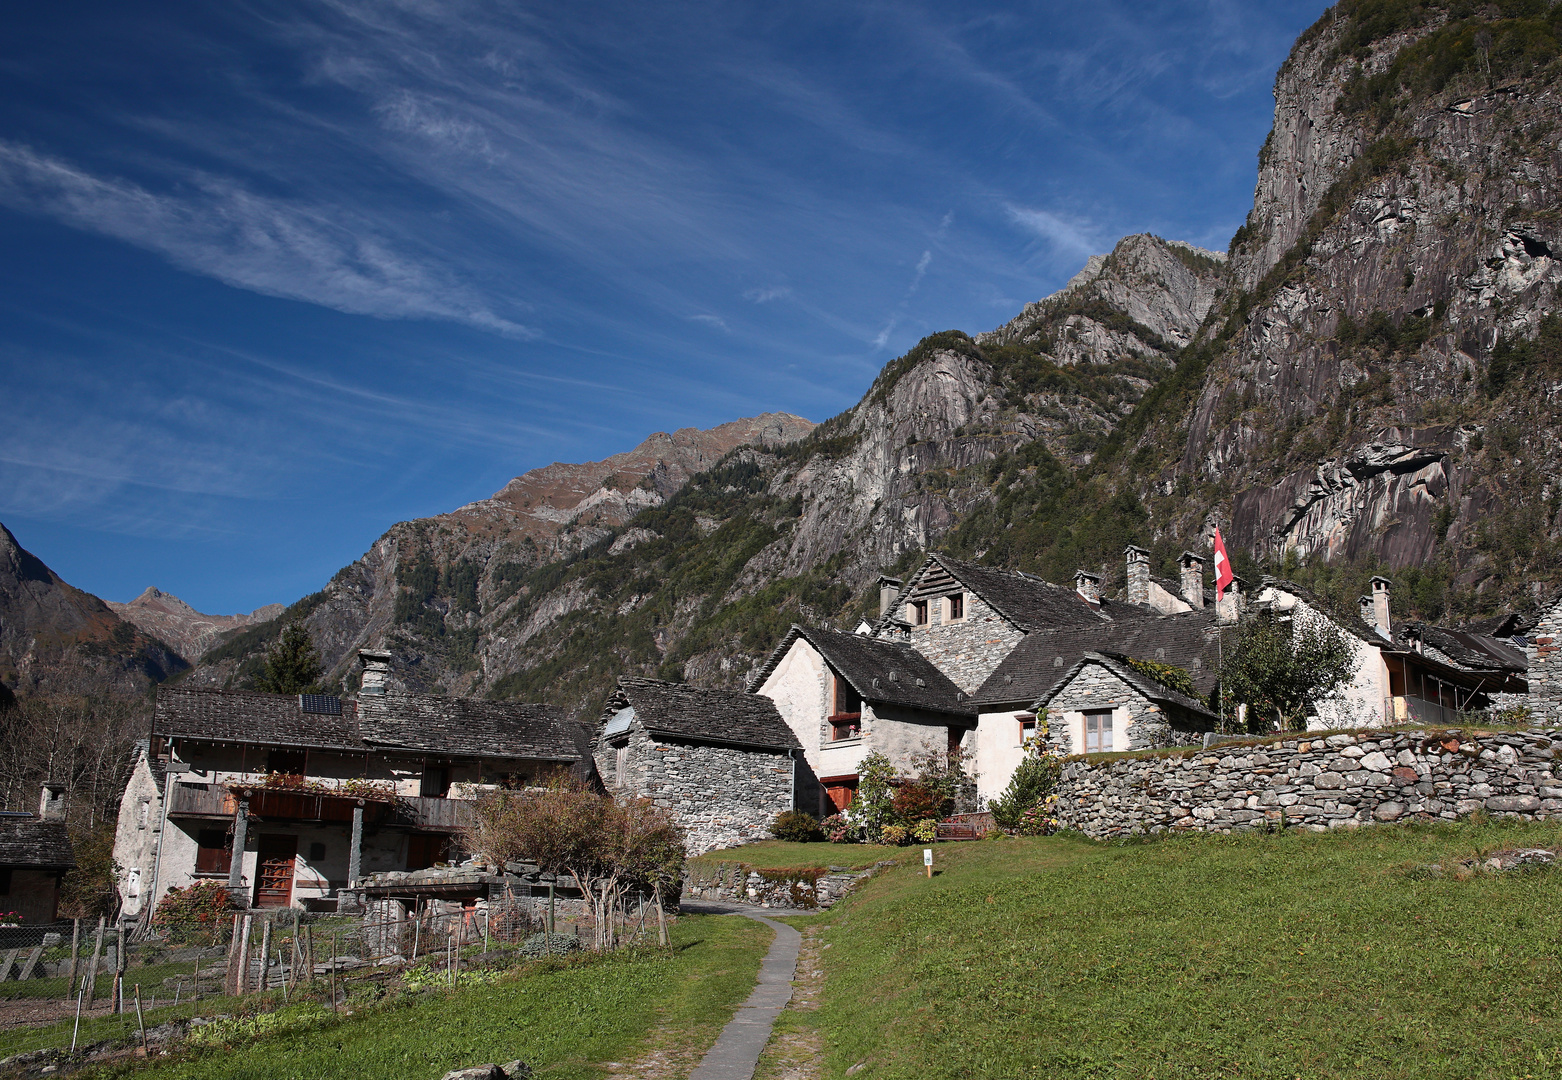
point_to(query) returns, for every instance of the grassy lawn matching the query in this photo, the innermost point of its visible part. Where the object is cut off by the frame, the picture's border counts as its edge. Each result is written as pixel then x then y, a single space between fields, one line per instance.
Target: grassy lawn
pixel 781 855
pixel 564 1019
pixel 1297 955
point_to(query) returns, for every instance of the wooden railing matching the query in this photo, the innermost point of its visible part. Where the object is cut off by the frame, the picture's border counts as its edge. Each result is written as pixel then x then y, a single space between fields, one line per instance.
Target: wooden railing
pixel 216 800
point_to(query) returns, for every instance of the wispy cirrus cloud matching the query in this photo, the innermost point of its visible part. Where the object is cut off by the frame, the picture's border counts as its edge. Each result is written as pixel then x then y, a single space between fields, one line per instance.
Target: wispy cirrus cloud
pixel 214 226
pixel 1067 236
pixel 766 295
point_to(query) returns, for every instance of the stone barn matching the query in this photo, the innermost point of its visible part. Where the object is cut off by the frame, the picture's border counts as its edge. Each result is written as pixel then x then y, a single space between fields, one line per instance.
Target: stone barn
pixel 722 761
pixel 35 853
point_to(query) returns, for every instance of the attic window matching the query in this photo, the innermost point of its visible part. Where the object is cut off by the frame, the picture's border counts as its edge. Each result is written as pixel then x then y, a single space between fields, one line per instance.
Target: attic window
pixel 1027 727
pixel 954 607
pixel 847 704
pixel 320 704
pixel 919 612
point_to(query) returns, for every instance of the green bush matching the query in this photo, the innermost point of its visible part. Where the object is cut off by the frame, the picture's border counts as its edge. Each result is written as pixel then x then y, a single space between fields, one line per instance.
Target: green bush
pixel 797 827
pixel 1029 787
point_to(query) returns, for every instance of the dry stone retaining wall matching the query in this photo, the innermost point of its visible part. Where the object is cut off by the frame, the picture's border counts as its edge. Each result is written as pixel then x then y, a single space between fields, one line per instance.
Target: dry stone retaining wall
pixel 1317 782
pixel 739 883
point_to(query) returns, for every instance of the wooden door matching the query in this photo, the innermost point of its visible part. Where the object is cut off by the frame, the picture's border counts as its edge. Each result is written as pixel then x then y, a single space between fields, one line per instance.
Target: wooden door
pixel 840 792
pixel 274 871
pixel 425 849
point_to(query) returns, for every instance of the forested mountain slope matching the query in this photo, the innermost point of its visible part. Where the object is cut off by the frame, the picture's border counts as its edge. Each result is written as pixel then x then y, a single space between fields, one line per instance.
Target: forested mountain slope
pixel 1369 382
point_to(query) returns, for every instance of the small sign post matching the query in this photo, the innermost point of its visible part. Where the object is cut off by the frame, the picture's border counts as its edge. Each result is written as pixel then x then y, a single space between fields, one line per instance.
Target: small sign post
pixel 927 860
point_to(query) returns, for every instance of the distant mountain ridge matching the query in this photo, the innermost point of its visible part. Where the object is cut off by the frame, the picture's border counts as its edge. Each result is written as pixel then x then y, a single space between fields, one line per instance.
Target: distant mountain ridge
pixel 48 627
pixel 175 622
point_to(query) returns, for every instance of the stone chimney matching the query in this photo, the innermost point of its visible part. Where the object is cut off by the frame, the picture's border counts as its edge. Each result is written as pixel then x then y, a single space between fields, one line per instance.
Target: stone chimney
pixel 1192 567
pixel 889 588
pixel 1380 617
pixel 1138 574
pixel 1364 605
pixel 1228 608
pixel 376 666
pixel 1088 586
pixel 51 803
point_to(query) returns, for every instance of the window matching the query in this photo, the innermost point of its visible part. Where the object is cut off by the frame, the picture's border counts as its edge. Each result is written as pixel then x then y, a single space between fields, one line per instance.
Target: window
pixel 954 607
pixel 919 612
pixel 955 735
pixel 290 762
pixel 1098 731
pixel 845 710
pixel 621 765
pixel 213 852
pixel 317 852
pixel 5 883
pixel 1027 727
pixel 425 849
pixel 436 782
pixel 146 812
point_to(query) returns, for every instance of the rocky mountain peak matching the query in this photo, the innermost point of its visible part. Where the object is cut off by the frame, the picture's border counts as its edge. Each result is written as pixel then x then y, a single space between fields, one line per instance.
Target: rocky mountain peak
pixel 168 618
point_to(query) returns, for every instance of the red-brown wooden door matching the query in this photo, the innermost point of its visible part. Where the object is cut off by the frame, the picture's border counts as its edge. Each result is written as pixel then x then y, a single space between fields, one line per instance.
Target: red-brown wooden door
pixel 274 871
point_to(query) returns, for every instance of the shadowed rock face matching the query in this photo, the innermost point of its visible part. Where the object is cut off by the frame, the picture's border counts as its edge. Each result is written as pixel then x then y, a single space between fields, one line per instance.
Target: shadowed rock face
pixel 47 626
pixel 1339 442
pixel 176 623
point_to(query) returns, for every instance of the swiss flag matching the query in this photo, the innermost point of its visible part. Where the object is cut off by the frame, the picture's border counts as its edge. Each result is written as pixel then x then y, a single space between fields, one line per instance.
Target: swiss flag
pixel 1223 574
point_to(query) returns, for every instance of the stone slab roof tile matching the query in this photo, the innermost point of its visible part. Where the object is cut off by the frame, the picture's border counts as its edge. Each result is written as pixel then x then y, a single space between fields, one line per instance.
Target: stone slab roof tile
pixel 703 714
pixel 33 843
pixel 396 720
pixel 1152 690
pixel 880 670
pixel 1043 659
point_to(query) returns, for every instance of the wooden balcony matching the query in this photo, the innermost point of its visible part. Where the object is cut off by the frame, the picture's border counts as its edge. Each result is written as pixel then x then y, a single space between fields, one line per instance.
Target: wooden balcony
pixel 218 801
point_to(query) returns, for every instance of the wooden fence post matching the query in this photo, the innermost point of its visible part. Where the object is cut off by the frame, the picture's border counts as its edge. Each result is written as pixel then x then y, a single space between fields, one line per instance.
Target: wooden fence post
pixel 97 957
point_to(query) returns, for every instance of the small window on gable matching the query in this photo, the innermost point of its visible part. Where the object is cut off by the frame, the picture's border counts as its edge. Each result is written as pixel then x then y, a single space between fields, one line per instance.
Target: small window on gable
pixel 847 702
pixel 955 607
pixel 1027 727
pixel 919 612
pixel 1098 731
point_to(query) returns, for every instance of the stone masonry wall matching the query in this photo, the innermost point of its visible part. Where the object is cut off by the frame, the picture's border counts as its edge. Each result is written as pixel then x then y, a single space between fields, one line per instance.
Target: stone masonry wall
pixel 967 650
pixel 1096 687
pixel 1545 666
pixel 743 884
pixel 722 796
pixel 1317 782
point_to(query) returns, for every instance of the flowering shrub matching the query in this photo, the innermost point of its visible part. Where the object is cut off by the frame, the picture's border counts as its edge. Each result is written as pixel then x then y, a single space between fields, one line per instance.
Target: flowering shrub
pixel 10 918
pixel 925 831
pixel 894 834
pixel 839 829
pixel 1039 820
pixel 198 912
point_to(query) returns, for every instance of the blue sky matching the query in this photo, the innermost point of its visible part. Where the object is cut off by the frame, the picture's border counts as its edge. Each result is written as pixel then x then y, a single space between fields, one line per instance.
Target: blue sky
pixel 278 275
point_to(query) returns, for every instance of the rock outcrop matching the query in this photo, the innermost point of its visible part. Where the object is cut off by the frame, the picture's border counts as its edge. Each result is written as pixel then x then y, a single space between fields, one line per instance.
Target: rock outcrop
pixel 176 623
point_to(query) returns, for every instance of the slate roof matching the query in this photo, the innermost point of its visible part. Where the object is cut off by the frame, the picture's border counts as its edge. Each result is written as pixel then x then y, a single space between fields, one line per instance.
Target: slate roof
pixel 244 716
pixel 1480 652
pixel 879 670
pixel 35 843
pixel 471 726
pixel 1032 668
pixel 1029 602
pixel 398 720
pixel 700 714
pixel 1116 664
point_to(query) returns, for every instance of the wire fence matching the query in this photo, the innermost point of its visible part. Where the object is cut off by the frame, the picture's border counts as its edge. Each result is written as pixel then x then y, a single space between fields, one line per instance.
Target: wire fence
pixel 87 991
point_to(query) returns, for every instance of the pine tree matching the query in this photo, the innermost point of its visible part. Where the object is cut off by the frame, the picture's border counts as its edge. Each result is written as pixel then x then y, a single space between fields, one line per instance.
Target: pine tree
pixel 292 665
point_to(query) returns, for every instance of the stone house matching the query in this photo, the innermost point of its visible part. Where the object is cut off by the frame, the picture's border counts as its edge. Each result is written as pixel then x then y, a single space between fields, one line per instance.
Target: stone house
pixel 722 761
pixel 1046 658
pixel 845 696
pixel 1542 645
pixel 1105 704
pixel 35 853
pixel 1415 673
pixel 292 799
pixel 966 618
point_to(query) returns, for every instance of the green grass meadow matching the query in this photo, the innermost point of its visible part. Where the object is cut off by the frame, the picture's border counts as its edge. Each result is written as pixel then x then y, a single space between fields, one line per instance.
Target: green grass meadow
pixel 565 1019
pixel 1294 955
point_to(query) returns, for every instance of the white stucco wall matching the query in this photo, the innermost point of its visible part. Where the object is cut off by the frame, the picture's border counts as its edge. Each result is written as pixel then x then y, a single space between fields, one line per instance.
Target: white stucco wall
pixel 1360 703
